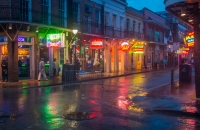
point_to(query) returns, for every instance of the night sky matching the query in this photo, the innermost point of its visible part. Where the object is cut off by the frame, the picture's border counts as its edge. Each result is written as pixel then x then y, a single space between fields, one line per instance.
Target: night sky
pixel 154 5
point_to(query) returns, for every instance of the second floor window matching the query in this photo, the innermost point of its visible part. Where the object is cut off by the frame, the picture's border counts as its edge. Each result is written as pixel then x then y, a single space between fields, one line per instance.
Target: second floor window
pixel 97 18
pixel 134 26
pixel 45 11
pixel 75 11
pixel 127 24
pixel 106 18
pixel 139 27
pixel 24 9
pixel 61 12
pixel 114 21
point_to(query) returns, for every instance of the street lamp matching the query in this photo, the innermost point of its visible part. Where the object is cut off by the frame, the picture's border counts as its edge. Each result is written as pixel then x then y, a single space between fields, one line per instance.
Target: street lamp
pixel 75 31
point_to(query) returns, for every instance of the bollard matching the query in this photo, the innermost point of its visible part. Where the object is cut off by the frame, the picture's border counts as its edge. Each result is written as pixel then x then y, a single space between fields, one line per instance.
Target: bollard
pixel 172 77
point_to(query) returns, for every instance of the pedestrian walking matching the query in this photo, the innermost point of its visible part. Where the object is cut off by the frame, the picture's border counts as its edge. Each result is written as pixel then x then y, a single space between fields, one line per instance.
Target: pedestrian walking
pixel 4 67
pixel 41 70
pixel 54 68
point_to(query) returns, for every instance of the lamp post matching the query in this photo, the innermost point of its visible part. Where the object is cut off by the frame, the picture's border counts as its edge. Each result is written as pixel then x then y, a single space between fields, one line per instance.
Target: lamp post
pixel 75 31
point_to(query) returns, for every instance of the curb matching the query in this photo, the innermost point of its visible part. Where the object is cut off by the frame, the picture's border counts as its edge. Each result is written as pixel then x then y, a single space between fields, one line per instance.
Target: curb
pixel 121 75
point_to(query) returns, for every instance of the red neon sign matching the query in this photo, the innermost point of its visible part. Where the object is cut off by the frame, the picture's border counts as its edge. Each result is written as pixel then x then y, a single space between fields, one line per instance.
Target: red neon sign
pixel 96 44
pixel 185 52
pixel 125 46
pixel 53 44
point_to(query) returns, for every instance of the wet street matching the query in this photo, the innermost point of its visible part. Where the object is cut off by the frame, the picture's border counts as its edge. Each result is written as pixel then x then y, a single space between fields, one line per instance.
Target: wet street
pixel 132 102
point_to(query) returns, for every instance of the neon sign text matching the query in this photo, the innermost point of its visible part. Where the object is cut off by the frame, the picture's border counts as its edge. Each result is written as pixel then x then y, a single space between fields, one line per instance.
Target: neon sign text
pixel 125 46
pixel 53 40
pixel 96 44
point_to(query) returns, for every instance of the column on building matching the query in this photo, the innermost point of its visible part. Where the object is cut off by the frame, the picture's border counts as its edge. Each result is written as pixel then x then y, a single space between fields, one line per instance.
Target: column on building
pixel 123 60
pixel 129 67
pixel 112 49
pixel 12 56
pixel 116 61
pixel 34 60
pixel 107 58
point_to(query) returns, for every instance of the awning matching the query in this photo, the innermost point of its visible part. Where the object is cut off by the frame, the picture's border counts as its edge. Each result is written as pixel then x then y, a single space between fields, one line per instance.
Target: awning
pixel 176 7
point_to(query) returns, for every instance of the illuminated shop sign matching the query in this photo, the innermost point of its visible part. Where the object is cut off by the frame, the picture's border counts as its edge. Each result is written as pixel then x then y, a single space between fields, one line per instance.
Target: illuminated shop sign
pixel 20 39
pixel 125 46
pixel 182 52
pixel 96 44
pixel 53 40
pixel 139 49
pixel 184 49
pixel 21 51
pixel 189 39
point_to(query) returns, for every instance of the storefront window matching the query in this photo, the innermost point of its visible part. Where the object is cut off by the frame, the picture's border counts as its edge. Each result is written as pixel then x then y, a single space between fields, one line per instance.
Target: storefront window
pixel 44 53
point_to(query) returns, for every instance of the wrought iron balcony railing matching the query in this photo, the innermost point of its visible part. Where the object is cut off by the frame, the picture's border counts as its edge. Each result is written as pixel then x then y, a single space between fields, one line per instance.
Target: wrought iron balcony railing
pixel 119 33
pixel 154 39
pixel 25 15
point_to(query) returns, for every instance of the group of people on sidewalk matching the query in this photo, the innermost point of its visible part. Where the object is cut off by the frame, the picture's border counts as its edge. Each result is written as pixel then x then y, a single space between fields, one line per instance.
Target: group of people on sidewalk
pixel 55 68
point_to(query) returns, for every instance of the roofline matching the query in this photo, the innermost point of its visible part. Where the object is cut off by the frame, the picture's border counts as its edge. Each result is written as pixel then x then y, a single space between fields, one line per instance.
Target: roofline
pixel 151 11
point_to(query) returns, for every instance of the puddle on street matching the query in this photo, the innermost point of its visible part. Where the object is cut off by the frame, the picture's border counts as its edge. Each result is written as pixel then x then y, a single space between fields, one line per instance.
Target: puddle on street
pixel 135 108
pixel 79 116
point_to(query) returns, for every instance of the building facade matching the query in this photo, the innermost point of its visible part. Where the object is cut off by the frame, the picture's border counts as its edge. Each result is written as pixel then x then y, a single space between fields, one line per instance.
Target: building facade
pixel 154 31
pixel 134 31
pixel 87 16
pixel 176 46
pixel 25 26
pixel 188 11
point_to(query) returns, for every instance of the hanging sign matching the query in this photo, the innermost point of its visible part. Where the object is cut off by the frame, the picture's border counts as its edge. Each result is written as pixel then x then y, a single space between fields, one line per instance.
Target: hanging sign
pixel 96 44
pixel 139 49
pixel 53 40
pixel 189 39
pixel 125 46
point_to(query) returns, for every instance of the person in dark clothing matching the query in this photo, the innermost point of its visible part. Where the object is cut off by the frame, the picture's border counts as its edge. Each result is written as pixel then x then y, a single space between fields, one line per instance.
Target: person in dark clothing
pixel 28 67
pixel 78 65
pixel 4 67
pixel 19 66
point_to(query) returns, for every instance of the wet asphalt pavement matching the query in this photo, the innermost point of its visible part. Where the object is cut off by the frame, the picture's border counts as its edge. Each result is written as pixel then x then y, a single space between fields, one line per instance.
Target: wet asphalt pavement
pixel 132 102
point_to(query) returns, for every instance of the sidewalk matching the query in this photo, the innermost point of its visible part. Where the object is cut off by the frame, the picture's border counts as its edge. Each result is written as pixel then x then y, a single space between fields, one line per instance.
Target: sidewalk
pixel 58 81
pixel 177 100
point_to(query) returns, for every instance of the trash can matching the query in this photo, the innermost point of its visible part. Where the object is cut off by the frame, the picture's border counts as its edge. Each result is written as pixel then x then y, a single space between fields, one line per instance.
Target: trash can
pixel 185 73
pixel 69 72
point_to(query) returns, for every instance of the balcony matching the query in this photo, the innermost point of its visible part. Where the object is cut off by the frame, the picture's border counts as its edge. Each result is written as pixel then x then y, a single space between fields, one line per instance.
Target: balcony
pixel 154 39
pixel 91 27
pixel 134 35
pixel 118 33
pixel 31 16
pixel 113 32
